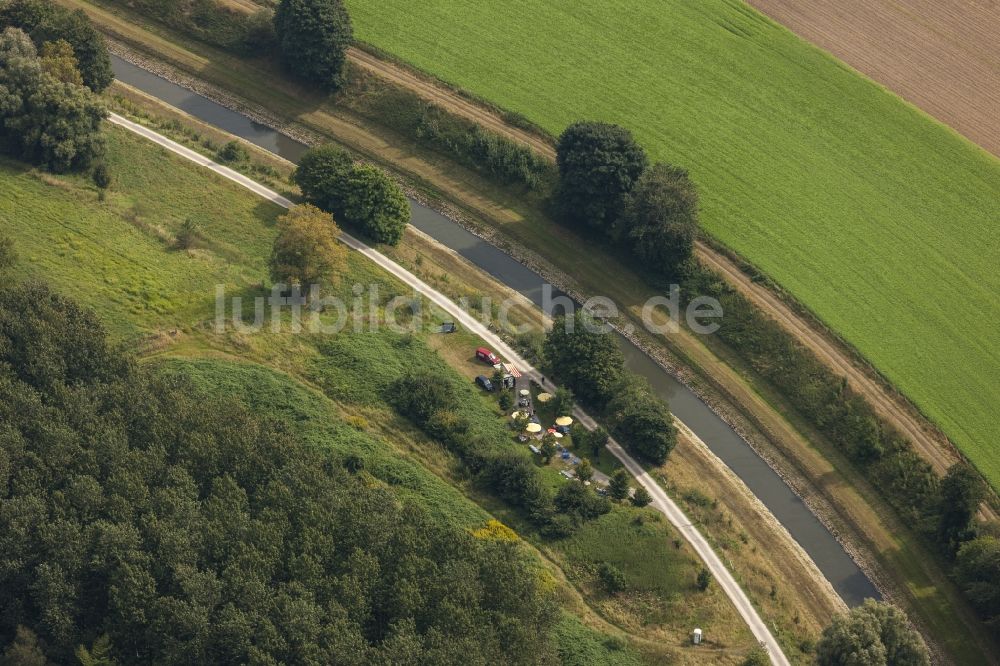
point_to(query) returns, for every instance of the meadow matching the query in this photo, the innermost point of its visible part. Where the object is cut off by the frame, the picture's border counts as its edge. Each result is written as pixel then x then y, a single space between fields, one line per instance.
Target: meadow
pixel 119 256
pixel 880 220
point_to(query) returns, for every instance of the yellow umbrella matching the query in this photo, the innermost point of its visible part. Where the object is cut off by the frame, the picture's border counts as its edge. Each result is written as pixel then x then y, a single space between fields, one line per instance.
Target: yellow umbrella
pixel 534 427
pixel 544 397
pixel 519 415
pixel 564 421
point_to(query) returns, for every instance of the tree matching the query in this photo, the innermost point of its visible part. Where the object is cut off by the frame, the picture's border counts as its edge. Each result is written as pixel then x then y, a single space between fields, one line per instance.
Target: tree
pixel 376 205
pixel 98 655
pixel 598 439
pixel 313 36
pixel 562 401
pixel 642 421
pixel 641 497
pixel 101 176
pixel 24 650
pixel 42 119
pixel 46 21
pixel 577 500
pixel 548 447
pixel 618 486
pixel 612 578
pixel 306 250
pixel 660 220
pixel 585 356
pixel 322 176
pixel 599 164
pixel 961 492
pixel 872 634
pixel 584 471
pixel 59 62
pixel 506 400
pixel 704 579
pixel 977 570
pixel 188 233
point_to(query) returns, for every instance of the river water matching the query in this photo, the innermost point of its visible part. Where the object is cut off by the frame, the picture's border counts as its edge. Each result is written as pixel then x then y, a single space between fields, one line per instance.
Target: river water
pixel 845 576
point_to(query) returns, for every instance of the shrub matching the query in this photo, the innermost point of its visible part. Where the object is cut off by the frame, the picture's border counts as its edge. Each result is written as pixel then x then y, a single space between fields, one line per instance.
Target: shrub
pixel 641 497
pixel 187 234
pixel 875 634
pixel 612 578
pixel 704 579
pixel 233 152
pixel 101 176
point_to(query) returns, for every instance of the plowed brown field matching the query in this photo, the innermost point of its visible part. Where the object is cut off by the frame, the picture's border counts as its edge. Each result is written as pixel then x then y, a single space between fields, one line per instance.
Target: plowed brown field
pixel 941 55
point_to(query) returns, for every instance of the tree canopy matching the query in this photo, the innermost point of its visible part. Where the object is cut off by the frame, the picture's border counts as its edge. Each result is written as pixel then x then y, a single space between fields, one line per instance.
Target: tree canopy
pixel 660 219
pixel 599 163
pixel 313 36
pixel 587 359
pixel 961 492
pixel 873 634
pixel 189 530
pixel 322 176
pixel 44 120
pixel 46 21
pixel 977 570
pixel 375 205
pixel 642 420
pixel 306 250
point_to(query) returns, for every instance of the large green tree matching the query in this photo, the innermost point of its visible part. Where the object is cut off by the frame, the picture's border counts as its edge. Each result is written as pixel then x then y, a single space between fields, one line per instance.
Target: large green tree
pixel 599 164
pixel 188 529
pixel 642 421
pixel 660 220
pixel 43 120
pixel 873 634
pixel 583 353
pixel 962 490
pixel 376 205
pixel 322 176
pixel 313 36
pixel 307 250
pixel 977 570
pixel 46 21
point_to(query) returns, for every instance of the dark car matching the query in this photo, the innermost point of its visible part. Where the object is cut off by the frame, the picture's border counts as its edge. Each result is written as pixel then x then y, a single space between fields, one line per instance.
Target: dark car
pixel 484 382
pixel 562 430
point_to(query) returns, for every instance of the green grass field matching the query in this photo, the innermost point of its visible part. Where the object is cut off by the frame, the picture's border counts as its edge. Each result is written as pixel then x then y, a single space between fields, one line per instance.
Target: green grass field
pixel 879 219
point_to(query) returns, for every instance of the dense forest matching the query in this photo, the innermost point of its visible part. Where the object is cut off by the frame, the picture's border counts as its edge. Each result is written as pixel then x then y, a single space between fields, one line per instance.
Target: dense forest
pixel 146 520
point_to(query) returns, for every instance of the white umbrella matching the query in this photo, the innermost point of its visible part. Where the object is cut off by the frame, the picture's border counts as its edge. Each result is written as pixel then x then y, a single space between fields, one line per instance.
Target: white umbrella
pixel 564 421
pixel 519 415
pixel 557 435
pixel 525 393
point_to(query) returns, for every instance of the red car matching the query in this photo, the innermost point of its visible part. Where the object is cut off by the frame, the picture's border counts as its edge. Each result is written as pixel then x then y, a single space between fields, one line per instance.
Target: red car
pixel 484 354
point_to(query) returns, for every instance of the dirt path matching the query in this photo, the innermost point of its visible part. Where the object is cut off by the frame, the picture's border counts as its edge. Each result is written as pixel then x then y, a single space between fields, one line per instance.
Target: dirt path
pixel 449 99
pixel 929 442
pixel 941 55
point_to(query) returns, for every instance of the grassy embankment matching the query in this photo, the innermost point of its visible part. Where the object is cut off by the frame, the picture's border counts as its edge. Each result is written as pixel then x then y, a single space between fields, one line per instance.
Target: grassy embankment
pixel 117 256
pixel 905 566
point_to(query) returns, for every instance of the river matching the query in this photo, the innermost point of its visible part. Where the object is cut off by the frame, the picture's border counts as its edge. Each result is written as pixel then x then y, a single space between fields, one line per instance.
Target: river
pixel 831 558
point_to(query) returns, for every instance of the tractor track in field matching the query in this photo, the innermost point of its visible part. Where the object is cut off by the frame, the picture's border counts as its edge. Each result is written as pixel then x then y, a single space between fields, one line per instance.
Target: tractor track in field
pixel 929 442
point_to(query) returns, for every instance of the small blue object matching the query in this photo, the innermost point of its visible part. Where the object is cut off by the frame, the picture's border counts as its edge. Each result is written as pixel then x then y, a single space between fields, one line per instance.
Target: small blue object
pixel 565 455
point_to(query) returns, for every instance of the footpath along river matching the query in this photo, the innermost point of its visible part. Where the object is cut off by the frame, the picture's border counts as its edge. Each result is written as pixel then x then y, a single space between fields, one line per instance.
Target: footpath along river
pixel 831 558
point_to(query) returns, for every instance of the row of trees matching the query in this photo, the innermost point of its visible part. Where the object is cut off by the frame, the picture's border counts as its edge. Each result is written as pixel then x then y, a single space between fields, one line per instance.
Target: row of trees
pixel 585 356
pixel 361 196
pixel 145 520
pixel 52 64
pixel 606 187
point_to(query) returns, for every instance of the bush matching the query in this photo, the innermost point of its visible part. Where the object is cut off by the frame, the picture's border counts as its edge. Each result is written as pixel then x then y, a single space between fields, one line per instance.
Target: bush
pixel 233 152
pixel 875 634
pixel 313 36
pixel 612 578
pixel 189 232
pixel 641 497
pixel 977 572
pixel 704 579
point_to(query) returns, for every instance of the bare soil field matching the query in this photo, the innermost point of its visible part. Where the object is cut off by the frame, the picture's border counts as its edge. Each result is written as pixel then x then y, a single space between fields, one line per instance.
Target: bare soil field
pixel 941 55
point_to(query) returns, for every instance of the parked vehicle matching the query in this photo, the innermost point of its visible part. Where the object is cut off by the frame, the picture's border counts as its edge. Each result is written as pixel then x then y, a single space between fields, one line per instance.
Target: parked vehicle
pixel 448 327
pixel 485 355
pixel 484 382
